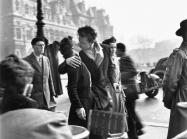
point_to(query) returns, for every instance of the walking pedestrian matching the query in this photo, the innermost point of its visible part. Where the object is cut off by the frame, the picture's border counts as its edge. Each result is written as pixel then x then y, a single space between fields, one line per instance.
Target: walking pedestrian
pixel 128 73
pixel 43 90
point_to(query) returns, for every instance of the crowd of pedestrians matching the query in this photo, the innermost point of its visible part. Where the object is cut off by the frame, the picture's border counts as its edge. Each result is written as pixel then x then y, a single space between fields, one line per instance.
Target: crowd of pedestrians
pixel 101 76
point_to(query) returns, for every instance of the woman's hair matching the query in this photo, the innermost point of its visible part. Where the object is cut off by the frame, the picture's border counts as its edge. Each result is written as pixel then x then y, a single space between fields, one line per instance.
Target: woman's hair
pixel 66 44
pixel 11 67
pixel 87 32
pixel 109 41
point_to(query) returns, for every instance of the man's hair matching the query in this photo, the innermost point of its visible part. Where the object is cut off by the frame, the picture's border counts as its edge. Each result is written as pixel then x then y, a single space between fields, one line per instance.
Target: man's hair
pixel 121 47
pixel 88 32
pixel 109 41
pixel 11 67
pixel 37 39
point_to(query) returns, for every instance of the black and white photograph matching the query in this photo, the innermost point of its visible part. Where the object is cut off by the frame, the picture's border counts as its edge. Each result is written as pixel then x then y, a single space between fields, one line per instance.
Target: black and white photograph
pixel 93 69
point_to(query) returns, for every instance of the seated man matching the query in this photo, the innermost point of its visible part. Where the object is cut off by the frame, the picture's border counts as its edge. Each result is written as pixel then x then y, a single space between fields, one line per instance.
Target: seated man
pixel 16 77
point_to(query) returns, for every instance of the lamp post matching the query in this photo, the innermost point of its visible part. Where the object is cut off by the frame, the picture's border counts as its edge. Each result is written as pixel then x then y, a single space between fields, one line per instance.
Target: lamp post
pixel 39 23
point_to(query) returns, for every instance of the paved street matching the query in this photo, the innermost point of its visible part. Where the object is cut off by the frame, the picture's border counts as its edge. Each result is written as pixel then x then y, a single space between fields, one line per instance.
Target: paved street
pixel 154 116
pixel 152 112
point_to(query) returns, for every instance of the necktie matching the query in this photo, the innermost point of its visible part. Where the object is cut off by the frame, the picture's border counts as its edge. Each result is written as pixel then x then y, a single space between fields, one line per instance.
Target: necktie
pixel 40 61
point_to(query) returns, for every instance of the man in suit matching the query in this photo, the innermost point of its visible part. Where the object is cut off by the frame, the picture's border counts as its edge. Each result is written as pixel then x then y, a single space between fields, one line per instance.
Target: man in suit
pixel 43 89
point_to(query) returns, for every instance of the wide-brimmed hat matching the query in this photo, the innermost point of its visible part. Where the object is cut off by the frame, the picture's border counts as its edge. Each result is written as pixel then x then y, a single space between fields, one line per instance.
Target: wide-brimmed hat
pixel 182 29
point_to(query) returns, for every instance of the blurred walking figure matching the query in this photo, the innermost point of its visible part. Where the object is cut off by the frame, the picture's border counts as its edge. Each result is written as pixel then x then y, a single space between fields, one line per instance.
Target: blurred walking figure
pixel 51 51
pixel 16 78
pixel 175 84
pixel 128 73
pixel 43 89
pixel 79 87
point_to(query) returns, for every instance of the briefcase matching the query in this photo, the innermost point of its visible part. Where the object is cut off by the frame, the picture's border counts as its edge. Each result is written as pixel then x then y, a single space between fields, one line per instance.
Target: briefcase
pixel 106 123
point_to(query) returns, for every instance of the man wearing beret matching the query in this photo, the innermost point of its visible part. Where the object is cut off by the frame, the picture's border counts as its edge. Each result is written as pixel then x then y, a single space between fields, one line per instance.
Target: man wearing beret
pixel 175 84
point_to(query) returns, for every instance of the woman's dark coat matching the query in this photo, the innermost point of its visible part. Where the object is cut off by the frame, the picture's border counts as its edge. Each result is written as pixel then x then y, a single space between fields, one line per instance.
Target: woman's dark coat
pixel 79 91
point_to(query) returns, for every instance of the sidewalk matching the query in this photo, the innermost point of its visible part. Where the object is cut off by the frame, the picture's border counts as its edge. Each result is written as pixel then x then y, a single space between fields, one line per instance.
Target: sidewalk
pixel 154 132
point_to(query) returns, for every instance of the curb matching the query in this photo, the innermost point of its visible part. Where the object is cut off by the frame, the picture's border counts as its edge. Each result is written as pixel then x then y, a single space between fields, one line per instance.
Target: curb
pixel 156 124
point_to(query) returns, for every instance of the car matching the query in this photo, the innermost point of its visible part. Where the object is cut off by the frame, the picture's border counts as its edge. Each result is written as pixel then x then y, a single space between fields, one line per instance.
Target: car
pixel 151 82
pixel 160 67
pixel 148 83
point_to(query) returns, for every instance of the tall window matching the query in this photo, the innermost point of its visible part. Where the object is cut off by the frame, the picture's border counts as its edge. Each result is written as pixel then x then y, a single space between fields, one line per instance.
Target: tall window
pixel 17 4
pixel 46 33
pixel 51 35
pixel 58 19
pixel 18 33
pixel 26 9
pixel 57 35
pixel 34 11
pixel 29 34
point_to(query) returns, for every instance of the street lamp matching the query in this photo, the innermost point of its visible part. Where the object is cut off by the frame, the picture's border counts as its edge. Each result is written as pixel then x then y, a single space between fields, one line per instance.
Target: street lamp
pixel 39 23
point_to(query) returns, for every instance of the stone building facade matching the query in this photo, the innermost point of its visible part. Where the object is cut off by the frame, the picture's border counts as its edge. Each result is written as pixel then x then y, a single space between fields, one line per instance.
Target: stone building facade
pixel 61 18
